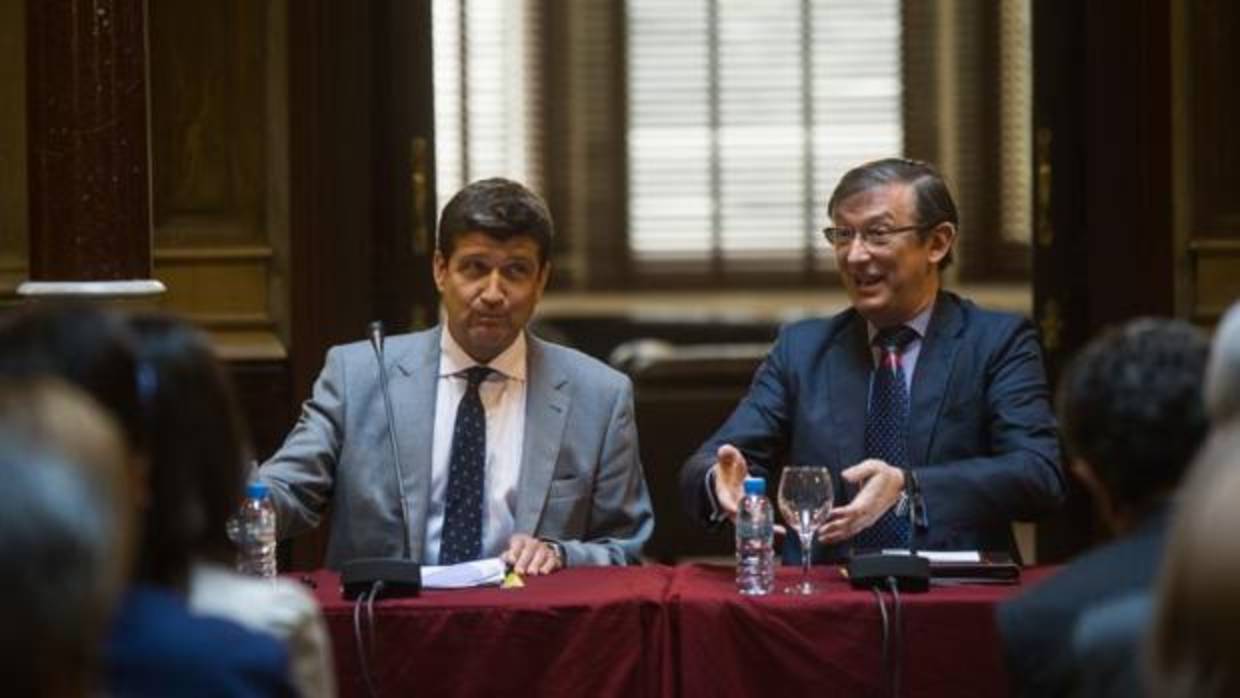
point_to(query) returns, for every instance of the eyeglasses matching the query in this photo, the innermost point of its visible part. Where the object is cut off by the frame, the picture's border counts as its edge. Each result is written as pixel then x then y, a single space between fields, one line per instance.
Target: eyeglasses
pixel 874 238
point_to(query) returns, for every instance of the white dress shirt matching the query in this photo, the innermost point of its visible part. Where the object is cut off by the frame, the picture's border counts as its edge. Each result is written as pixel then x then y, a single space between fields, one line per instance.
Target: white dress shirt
pixel 503 399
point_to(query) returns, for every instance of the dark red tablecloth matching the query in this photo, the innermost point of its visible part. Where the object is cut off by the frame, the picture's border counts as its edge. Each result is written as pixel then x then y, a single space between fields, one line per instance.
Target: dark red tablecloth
pixel 830 643
pixel 580 632
pixel 667 631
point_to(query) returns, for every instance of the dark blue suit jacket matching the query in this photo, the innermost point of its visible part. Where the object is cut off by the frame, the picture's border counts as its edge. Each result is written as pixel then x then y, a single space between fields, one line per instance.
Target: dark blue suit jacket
pixel 1037 627
pixel 982 437
pixel 156 647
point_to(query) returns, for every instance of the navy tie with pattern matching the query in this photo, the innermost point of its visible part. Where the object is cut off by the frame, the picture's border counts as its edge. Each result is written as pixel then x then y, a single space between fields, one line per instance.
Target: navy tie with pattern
pixel 886 432
pixel 461 538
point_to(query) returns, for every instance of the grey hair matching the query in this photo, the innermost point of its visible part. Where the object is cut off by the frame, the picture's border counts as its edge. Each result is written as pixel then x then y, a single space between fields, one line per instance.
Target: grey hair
pixel 1223 371
pixel 56 547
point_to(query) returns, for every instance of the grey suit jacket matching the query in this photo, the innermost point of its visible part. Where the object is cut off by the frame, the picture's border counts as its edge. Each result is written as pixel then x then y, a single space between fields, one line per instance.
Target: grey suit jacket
pixel 581 481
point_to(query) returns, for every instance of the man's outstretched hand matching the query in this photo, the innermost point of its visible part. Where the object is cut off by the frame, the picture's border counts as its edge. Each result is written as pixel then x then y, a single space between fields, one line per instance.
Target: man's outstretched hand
pixel 730 473
pixel 881 485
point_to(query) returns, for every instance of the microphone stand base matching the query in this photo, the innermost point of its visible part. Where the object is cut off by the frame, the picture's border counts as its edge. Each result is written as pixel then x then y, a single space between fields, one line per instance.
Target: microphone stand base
pixel 911 572
pixel 401 578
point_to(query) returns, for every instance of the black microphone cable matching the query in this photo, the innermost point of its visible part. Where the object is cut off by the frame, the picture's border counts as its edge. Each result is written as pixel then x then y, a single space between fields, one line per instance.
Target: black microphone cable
pixel 363 650
pixel 885 666
pixel 897 650
pixel 893 638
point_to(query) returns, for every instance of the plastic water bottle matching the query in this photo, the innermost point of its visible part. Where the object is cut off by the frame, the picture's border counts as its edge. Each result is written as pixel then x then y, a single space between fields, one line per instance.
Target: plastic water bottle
pixel 256 533
pixel 755 554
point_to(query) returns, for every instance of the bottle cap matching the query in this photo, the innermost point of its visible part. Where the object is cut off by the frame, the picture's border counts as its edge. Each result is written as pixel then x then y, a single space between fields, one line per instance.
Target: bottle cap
pixel 256 490
pixel 755 485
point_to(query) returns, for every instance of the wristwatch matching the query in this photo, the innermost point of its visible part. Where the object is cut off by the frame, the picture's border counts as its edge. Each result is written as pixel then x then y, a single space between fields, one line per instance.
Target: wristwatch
pixel 911 497
pixel 557 549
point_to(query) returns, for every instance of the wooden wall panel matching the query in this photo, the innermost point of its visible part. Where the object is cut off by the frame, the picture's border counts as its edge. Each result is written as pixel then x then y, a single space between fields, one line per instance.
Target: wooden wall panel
pixel 1103 191
pixel 219 115
pixel 263 389
pixel 1207 62
pixel 1216 279
pixel 1137 177
pixel 1214 104
pixel 13 229
pixel 209 123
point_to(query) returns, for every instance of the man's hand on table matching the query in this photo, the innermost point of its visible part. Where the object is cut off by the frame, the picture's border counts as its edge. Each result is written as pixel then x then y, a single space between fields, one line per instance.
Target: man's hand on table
pixel 531 556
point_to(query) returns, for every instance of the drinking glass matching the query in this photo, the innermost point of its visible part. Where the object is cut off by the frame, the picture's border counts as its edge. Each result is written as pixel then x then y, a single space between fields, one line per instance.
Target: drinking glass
pixel 805 502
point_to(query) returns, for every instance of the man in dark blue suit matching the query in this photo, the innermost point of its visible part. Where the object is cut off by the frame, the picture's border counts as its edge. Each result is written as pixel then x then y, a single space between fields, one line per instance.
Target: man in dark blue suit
pixel 911 396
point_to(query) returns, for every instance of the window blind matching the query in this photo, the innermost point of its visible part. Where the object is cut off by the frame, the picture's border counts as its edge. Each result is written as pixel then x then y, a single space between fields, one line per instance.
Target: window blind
pixel 743 115
pixel 487 92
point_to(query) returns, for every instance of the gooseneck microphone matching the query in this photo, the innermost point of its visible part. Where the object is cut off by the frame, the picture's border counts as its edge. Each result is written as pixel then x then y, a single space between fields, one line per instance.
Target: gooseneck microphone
pixel 379 577
pixel 375 331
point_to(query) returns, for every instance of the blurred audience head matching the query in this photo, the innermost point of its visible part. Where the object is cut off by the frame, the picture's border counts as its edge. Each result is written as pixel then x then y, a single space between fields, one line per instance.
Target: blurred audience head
pixel 1133 416
pixel 1223 371
pixel 1195 643
pixel 57 417
pixel 64 537
pixel 97 350
pixel 197 447
pixel 84 345
pixel 502 209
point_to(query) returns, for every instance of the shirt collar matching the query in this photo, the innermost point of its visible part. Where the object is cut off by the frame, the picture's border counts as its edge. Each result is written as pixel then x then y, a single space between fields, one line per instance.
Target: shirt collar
pixel 453 359
pixel 919 323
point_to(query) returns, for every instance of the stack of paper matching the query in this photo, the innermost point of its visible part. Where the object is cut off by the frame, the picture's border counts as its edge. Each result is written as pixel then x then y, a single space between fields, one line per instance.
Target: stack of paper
pixel 476 573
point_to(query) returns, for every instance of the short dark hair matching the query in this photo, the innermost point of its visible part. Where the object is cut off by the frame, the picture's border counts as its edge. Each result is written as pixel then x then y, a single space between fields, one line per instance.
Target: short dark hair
pixel 934 200
pixel 198 449
pixel 1132 408
pixel 502 209
pixel 82 344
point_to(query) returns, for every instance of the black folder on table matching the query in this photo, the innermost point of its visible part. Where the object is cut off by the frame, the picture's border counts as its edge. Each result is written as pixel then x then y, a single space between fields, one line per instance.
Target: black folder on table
pixel 992 568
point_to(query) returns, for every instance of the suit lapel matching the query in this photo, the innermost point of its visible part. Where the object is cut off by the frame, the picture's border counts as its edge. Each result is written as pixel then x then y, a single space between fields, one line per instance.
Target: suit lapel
pixel 546 411
pixel 931 377
pixel 414 379
pixel 849 364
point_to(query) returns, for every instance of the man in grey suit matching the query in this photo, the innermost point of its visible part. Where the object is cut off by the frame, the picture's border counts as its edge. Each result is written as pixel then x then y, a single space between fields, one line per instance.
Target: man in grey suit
pixel 508 445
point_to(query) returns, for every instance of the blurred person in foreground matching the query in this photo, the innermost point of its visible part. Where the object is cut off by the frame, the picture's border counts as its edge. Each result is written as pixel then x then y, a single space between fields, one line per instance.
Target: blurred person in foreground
pixel 1194 646
pixel 509 446
pixel 1133 417
pixel 156 646
pixel 65 537
pixel 1112 640
pixel 198 442
pixel 911 396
